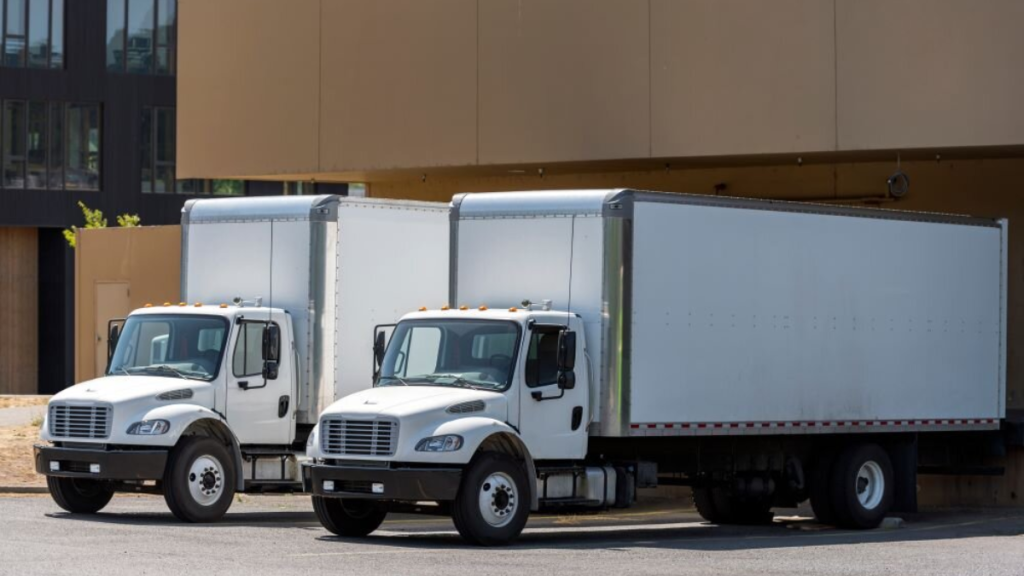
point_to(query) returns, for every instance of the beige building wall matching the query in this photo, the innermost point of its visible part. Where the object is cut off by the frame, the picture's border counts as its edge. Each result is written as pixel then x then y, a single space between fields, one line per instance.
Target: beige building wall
pixel 248 88
pixel 147 259
pixel 19 303
pixel 360 90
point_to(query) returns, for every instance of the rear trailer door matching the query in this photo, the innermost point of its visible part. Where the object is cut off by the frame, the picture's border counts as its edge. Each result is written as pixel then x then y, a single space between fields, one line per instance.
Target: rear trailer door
pixel 769 321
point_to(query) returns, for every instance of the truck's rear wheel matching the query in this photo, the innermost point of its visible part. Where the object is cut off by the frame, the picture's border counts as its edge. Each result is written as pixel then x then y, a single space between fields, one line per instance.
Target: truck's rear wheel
pixel 720 506
pixel 349 518
pixel 79 495
pixel 862 486
pixel 199 482
pixel 493 502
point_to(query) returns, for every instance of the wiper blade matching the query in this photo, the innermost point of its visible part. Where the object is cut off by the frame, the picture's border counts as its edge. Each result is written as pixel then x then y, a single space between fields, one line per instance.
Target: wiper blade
pixel 400 380
pixel 458 381
pixel 172 370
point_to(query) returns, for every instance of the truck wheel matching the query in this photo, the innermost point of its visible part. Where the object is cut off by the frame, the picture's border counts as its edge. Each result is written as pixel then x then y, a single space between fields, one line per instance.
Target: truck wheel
pixel 821 489
pixel 862 487
pixel 705 505
pixel 199 482
pixel 720 506
pixel 349 518
pixel 79 495
pixel 493 502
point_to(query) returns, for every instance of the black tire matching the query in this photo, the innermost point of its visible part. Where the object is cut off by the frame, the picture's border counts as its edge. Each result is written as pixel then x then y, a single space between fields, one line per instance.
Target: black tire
pixel 349 518
pixel 509 500
pixel 849 487
pixel 821 489
pixel 79 495
pixel 215 480
pixel 721 506
pixel 705 504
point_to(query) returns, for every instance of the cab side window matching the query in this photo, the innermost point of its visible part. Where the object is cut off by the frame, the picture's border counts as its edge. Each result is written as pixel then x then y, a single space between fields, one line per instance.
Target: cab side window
pixel 542 359
pixel 248 356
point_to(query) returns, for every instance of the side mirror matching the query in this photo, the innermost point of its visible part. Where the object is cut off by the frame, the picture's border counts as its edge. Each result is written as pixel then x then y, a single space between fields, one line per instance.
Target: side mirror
pixel 379 345
pixel 270 369
pixel 566 351
pixel 566 380
pixel 272 343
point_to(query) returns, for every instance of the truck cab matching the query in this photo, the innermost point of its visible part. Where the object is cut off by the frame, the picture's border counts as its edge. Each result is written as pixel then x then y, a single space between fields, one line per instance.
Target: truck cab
pixel 483 412
pixel 198 402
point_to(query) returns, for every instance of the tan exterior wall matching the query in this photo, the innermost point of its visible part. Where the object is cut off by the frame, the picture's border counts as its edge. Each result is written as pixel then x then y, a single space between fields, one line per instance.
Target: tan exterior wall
pixel 147 258
pixel 338 90
pixel 921 73
pixel 19 303
pixel 248 87
pixel 414 102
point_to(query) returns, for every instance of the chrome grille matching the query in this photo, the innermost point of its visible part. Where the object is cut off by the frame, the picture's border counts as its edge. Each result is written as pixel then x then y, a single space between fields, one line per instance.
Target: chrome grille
pixel 358 437
pixel 68 421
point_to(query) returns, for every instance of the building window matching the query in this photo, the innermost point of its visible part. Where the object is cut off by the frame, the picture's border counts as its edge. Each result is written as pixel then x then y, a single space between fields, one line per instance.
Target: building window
pixel 141 36
pixel 50 145
pixel 32 33
pixel 157 143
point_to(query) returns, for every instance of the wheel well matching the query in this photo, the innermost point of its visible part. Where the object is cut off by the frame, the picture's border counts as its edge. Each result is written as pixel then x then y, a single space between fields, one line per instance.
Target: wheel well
pixel 505 443
pixel 210 428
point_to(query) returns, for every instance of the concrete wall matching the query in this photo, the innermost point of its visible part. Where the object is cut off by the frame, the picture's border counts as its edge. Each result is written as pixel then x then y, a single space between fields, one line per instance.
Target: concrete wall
pixel 19 303
pixel 353 89
pixel 148 258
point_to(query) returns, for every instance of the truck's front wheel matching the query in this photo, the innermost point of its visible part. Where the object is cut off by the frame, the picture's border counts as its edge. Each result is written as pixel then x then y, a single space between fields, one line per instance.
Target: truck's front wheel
pixel 199 482
pixel 79 495
pixel 493 502
pixel 349 518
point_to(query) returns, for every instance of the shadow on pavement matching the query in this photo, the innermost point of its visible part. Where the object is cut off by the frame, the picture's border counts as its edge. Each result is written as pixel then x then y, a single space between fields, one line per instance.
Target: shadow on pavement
pixel 704 536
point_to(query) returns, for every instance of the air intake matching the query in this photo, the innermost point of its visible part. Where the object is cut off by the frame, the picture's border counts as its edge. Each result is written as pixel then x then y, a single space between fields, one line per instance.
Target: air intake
pixel 467 407
pixel 183 394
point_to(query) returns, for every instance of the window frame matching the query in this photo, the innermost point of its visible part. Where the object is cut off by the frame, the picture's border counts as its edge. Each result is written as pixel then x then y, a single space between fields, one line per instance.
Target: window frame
pixel 55 110
pixel 544 330
pixel 171 44
pixel 243 335
pixel 25 60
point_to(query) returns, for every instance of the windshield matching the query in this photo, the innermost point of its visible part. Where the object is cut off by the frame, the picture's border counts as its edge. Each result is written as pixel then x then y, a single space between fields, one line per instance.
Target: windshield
pixel 172 346
pixel 462 353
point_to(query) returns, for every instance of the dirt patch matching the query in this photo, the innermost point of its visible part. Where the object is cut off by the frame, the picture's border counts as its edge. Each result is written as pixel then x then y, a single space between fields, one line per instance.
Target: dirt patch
pixel 23 401
pixel 16 461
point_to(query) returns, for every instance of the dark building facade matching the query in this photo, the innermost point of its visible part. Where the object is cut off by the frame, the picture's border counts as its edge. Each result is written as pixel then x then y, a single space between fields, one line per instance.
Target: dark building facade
pixel 87 94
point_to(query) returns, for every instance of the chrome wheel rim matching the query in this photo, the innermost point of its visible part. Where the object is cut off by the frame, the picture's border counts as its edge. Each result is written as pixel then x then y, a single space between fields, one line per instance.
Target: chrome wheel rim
pixel 870 485
pixel 206 480
pixel 498 499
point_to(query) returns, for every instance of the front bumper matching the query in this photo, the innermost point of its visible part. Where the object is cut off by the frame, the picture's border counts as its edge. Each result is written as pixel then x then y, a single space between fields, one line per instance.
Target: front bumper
pixel 113 464
pixel 402 484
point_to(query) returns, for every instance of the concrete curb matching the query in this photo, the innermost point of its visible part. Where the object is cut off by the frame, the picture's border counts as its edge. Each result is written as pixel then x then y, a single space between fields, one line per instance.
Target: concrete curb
pixel 23 490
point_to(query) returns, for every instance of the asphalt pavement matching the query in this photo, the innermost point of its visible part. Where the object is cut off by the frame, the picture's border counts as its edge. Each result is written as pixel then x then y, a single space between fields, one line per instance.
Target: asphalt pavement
pixel 136 535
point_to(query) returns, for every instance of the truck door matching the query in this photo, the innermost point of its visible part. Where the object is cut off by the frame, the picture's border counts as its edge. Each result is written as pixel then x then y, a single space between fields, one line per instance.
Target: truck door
pixel 258 410
pixel 553 422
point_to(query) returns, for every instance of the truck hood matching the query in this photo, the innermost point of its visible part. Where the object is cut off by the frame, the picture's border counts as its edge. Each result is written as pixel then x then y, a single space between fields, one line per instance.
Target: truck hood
pixel 122 389
pixel 404 401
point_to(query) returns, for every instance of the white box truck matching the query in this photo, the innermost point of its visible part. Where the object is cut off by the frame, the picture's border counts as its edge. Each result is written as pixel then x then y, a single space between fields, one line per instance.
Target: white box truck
pixel 218 393
pixel 761 352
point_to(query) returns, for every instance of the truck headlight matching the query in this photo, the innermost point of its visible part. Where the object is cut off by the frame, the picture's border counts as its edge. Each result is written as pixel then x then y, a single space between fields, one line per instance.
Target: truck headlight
pixel 448 443
pixel 150 427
